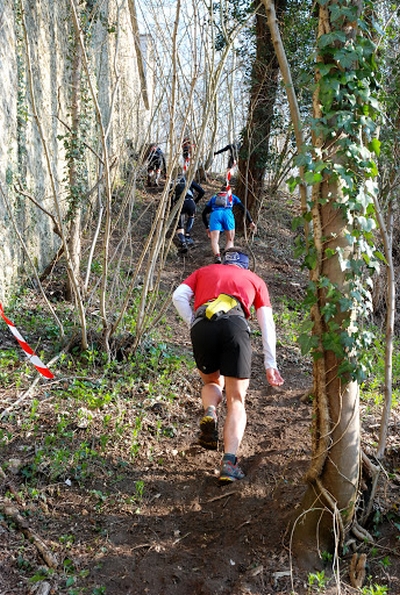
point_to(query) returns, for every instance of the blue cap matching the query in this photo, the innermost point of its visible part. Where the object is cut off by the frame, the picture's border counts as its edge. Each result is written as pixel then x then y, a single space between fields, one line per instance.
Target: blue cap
pixel 238 258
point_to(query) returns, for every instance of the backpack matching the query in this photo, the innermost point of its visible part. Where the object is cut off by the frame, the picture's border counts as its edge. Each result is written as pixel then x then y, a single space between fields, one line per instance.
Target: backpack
pixel 221 199
pixel 179 188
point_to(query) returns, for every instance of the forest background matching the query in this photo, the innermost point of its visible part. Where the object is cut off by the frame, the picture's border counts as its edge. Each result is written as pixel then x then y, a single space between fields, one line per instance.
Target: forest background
pixel 311 91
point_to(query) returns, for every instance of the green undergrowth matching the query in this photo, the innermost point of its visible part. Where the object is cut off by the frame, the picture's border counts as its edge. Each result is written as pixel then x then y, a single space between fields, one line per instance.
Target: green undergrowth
pixel 97 411
pixel 372 391
pixel 87 435
pixel 290 315
pixel 111 399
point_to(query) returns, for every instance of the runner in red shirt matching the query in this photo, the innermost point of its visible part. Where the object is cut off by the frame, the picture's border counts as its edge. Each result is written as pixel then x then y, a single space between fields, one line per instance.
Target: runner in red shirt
pixel 222 297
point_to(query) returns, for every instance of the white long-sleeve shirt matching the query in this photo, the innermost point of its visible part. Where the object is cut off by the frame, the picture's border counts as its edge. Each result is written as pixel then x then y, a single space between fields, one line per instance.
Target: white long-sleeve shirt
pixel 182 300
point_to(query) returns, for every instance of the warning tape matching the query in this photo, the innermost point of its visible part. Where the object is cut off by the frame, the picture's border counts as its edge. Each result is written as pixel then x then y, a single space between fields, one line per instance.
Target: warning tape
pixel 186 164
pixel 228 179
pixel 30 354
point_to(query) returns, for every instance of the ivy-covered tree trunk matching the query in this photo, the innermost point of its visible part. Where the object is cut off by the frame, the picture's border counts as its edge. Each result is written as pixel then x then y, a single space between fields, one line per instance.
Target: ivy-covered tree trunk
pixel 264 86
pixel 72 148
pixel 328 506
pixel 341 210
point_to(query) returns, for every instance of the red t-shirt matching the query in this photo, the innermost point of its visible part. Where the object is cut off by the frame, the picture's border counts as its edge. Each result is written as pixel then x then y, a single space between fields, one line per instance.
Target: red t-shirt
pixel 208 282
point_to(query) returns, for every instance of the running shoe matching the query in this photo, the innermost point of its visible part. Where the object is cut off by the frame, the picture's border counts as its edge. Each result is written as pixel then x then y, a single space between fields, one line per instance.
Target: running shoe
pixel 230 472
pixel 189 241
pixel 217 259
pixel 182 249
pixel 209 430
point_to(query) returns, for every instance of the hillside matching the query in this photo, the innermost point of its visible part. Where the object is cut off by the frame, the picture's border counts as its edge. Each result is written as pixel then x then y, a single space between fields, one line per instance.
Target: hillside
pixel 118 516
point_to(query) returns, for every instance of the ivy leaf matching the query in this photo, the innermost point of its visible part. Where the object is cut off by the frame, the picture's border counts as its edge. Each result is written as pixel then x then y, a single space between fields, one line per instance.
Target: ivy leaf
pixel 380 256
pixel 345 174
pixel 325 69
pixel 374 103
pixel 328 311
pixel 338 12
pixel 311 177
pixel 293 182
pixel 346 58
pixel 311 260
pixel 307 343
pixel 329 39
pixel 297 222
pixel 329 252
pixel 306 326
pixel 345 304
pixel 366 224
pixel 375 146
pixel 347 341
pixel 373 169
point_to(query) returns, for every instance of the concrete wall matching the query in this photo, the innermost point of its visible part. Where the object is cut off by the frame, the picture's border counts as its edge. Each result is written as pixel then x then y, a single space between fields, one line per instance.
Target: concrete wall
pixel 24 162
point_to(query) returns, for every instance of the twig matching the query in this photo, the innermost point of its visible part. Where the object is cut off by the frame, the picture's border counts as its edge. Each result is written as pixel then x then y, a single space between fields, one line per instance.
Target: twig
pixel 140 546
pixel 180 538
pixel 22 398
pixel 222 496
pixel 18 188
pixel 243 524
pixel 361 533
pixel 42 548
pixel 31 262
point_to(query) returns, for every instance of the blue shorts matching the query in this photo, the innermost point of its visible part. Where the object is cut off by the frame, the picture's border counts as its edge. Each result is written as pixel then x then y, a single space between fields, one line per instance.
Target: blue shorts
pixel 222 220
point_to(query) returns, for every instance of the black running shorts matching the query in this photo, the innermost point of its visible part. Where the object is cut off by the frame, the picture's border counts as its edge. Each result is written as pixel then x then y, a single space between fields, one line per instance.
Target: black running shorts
pixel 222 344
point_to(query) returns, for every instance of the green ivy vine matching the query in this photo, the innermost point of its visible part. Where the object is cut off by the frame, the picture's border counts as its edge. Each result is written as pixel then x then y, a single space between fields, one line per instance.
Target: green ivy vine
pixel 348 90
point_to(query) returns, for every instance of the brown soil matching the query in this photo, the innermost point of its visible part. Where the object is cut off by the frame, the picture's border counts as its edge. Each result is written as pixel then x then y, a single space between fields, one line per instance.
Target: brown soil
pixel 158 523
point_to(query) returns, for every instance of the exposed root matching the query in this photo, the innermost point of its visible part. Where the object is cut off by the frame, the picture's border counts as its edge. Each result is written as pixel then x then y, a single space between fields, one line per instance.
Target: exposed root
pixel 357 570
pixel 361 533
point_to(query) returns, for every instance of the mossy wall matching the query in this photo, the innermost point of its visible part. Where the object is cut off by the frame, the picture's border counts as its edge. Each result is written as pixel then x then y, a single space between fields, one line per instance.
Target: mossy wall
pixel 33 125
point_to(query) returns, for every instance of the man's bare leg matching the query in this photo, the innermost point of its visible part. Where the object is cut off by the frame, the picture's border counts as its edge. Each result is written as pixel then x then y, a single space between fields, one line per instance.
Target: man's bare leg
pixel 230 237
pixel 213 385
pixel 214 236
pixel 211 396
pixel 236 417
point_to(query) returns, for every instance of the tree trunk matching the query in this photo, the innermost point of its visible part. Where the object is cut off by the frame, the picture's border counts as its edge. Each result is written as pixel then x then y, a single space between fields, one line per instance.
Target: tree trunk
pixel 75 209
pixel 386 230
pixel 255 142
pixel 328 507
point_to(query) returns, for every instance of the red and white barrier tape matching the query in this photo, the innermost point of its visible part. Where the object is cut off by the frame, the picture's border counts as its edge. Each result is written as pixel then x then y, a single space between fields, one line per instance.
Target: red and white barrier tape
pixel 228 179
pixel 30 354
pixel 186 165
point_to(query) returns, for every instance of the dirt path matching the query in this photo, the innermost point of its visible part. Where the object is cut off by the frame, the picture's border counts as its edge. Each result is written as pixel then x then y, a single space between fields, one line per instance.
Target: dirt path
pixel 161 525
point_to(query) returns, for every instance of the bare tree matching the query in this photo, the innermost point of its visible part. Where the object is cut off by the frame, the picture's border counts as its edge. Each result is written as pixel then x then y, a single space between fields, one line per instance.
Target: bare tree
pixel 264 88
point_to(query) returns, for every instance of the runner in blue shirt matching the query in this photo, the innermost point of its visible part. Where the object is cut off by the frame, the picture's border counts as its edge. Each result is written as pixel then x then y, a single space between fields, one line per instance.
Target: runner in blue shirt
pixel 218 216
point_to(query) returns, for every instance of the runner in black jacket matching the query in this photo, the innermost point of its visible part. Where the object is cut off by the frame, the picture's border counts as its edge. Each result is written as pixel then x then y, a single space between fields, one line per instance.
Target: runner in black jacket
pixel 155 164
pixel 233 154
pixel 194 194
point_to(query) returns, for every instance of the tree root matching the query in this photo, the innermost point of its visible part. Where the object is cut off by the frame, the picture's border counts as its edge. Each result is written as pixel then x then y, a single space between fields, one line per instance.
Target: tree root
pixel 10 511
pixel 357 570
pixel 371 474
pixel 361 533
